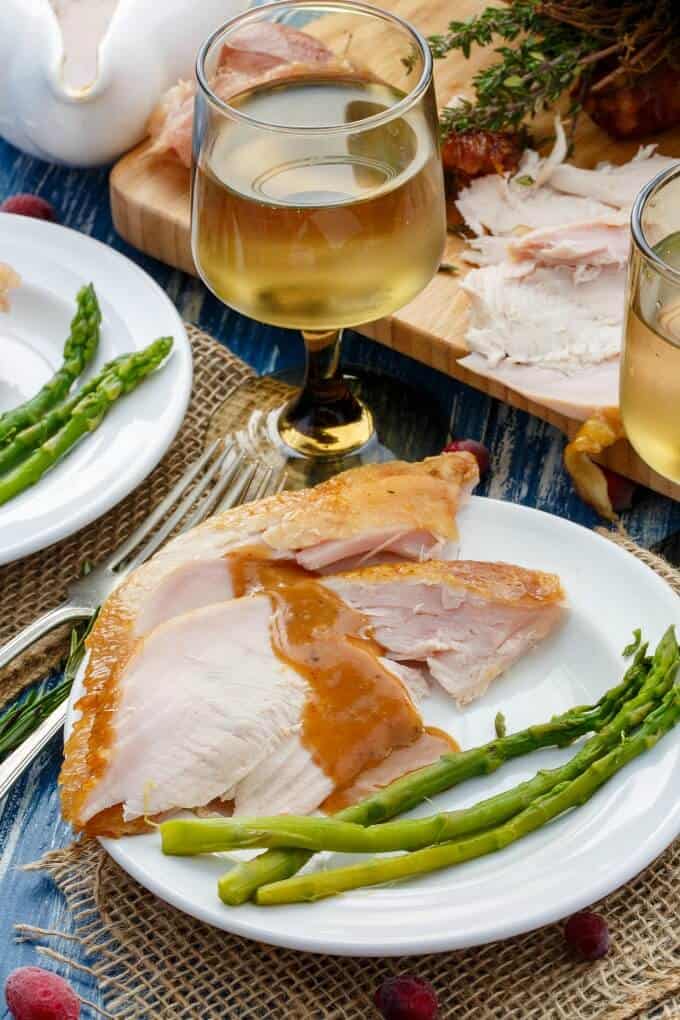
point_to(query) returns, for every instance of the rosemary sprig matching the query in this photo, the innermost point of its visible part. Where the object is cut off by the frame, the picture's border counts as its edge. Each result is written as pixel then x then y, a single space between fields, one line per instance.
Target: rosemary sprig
pixel 22 719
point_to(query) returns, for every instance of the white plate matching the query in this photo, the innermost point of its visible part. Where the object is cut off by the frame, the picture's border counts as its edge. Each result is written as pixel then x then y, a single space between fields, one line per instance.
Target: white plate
pixel 54 263
pixel 558 869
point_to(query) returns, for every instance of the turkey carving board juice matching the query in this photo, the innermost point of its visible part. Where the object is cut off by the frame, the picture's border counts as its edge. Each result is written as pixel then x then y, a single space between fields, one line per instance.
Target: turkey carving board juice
pixel 319 231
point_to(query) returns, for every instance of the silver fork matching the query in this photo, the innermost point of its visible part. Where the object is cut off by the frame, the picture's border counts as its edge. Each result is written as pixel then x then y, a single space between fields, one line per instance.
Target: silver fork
pixel 221 478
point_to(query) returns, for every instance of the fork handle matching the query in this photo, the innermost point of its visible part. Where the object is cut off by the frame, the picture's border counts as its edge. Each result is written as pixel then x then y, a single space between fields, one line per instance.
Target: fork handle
pixel 16 763
pixel 43 625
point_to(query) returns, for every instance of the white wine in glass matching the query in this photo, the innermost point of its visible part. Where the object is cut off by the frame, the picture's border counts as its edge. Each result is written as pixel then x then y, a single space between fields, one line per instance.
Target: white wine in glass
pixel 318 198
pixel 650 369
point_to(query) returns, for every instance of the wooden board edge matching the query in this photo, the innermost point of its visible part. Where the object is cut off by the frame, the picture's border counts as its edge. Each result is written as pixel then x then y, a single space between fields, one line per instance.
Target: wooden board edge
pixel 167 239
pixel 621 457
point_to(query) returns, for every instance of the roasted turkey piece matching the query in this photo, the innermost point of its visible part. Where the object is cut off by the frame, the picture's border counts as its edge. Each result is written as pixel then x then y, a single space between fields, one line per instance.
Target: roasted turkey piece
pixel 644 106
pixel 470 154
pixel 371 514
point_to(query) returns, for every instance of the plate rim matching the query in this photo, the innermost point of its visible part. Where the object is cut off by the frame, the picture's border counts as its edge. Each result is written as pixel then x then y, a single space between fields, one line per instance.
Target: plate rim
pixel 300 939
pixel 121 485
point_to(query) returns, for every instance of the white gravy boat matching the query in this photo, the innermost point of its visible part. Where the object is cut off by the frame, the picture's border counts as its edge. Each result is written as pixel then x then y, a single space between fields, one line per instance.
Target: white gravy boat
pixel 79 78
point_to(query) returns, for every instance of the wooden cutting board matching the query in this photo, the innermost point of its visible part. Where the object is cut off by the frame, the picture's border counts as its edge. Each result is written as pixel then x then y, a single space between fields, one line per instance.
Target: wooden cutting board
pixel 150 206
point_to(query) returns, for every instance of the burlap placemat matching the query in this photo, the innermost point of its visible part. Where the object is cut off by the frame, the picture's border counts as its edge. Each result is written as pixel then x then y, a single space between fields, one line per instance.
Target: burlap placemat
pixel 38 583
pixel 152 961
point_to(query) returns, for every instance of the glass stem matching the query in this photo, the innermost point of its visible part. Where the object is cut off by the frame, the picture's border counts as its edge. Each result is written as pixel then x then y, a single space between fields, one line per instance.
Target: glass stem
pixel 323 380
pixel 325 419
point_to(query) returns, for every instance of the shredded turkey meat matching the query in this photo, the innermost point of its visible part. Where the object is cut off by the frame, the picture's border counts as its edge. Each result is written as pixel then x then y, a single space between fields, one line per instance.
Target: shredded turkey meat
pixel 547 298
pixel 544 318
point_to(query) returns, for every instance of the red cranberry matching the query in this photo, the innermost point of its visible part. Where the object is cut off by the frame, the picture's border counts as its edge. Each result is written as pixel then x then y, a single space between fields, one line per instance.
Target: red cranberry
pixel 587 935
pixel 30 205
pixel 406 998
pixel 477 450
pixel 620 490
pixel 36 994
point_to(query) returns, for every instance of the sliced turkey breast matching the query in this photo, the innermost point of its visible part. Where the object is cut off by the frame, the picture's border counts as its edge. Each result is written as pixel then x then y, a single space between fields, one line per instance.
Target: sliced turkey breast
pixel 269 701
pixel 590 243
pixel 501 206
pixel 584 247
pixel 468 621
pixel 376 511
pixel 202 701
pixel 546 304
pixel 277 699
pixel 356 516
pixel 578 393
pixel 256 54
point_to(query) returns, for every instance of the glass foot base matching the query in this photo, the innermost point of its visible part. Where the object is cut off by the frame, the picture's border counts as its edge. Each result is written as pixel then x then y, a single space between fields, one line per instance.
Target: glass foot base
pixel 339 435
pixel 405 424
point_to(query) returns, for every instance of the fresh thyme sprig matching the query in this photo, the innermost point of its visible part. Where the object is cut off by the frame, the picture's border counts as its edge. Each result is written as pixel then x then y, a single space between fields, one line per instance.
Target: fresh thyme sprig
pixel 549 47
pixel 504 22
pixel 22 719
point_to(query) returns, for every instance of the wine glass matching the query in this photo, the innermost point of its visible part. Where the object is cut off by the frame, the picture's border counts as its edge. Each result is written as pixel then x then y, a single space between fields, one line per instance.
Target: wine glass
pixel 318 200
pixel 650 367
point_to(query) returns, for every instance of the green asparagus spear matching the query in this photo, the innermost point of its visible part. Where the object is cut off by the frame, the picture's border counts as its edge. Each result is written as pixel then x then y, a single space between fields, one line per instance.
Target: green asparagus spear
pixel 29 439
pixel 78 351
pixel 85 417
pixel 192 836
pixel 181 836
pixel 240 884
pixel 306 888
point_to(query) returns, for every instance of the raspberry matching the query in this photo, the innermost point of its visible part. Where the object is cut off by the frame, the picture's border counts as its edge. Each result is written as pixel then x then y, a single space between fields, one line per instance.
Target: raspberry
pixel 587 935
pixel 30 205
pixel 36 994
pixel 477 450
pixel 406 998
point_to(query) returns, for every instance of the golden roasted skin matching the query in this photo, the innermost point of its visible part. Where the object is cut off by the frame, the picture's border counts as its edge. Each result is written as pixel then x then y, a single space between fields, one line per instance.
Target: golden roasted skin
pixel 494 582
pixel 593 437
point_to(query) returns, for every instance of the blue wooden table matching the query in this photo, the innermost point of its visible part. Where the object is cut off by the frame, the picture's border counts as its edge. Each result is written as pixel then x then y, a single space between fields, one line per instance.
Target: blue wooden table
pixel 526 468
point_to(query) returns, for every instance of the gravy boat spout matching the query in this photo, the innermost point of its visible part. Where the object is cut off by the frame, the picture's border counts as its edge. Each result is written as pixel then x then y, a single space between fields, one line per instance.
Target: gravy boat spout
pixel 79 81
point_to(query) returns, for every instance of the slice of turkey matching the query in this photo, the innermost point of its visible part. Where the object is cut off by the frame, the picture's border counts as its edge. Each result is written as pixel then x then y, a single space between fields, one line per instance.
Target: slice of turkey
pixel 500 206
pixel 374 512
pixel 583 247
pixel 256 54
pixel 204 709
pixel 466 621
pixel 550 193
